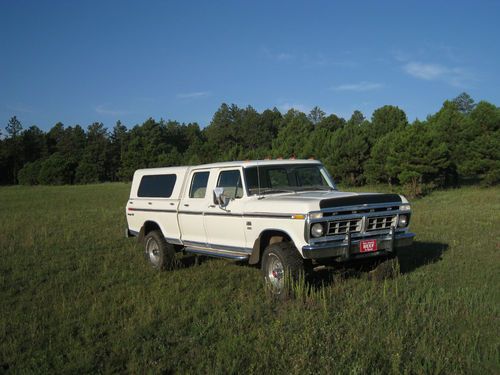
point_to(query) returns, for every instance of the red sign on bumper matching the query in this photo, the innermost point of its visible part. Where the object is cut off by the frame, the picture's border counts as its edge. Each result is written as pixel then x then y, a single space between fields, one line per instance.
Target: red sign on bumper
pixel 368 246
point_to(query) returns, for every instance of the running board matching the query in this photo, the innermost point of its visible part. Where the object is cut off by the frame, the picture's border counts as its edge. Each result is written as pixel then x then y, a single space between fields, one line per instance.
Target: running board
pixel 217 253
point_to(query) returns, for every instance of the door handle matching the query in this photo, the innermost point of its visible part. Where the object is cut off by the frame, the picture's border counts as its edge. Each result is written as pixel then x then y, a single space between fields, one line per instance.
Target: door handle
pixel 211 206
pixel 186 205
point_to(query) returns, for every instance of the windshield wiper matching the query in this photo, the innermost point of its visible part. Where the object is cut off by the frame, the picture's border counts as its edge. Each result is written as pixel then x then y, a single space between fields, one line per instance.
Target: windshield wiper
pixel 274 190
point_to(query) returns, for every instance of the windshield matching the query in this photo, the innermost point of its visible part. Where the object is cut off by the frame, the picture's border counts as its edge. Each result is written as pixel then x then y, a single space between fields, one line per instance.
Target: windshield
pixel 287 178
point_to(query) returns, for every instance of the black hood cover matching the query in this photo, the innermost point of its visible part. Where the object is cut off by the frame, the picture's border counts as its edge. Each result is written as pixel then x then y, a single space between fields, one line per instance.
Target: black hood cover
pixel 357 200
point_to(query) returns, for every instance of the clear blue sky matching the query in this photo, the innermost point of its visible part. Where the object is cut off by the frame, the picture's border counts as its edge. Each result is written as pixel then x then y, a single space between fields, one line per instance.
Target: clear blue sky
pixel 86 61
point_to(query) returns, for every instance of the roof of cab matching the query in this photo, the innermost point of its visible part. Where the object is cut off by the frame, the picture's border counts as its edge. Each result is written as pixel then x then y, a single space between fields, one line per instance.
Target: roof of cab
pixel 229 164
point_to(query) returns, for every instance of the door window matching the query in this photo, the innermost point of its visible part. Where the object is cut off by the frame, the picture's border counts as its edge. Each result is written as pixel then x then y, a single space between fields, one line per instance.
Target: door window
pixel 199 185
pixel 231 182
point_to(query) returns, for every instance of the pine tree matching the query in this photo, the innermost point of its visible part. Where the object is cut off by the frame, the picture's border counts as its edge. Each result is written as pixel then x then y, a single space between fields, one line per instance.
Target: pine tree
pixel 13 127
pixel 316 115
pixel 464 103
pixel 13 149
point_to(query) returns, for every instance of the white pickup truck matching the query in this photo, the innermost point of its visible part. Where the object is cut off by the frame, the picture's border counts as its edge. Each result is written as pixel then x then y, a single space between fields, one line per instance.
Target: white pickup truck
pixel 285 215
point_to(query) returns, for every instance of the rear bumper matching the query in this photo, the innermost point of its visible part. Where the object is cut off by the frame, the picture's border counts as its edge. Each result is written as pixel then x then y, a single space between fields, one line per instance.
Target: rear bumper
pixel 349 248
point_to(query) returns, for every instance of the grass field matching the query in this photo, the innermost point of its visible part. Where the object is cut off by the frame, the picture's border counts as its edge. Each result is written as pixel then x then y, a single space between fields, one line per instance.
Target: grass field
pixel 77 297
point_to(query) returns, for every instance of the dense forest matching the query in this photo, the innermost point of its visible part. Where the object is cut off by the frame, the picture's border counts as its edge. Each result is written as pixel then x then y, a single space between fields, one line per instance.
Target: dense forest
pixel 460 143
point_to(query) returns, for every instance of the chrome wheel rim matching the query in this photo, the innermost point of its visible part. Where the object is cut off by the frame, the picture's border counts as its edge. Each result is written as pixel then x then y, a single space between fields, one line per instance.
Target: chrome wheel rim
pixel 153 251
pixel 275 272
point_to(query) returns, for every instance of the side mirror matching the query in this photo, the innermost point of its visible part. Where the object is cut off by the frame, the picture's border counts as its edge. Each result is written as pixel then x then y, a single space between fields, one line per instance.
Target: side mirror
pixel 219 197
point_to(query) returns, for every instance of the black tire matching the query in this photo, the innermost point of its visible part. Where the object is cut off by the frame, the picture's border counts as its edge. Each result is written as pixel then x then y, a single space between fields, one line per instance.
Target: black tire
pixel 159 253
pixel 278 260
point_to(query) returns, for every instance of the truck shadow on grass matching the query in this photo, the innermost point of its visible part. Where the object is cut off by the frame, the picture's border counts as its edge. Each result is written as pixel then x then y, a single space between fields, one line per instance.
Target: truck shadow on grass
pixel 408 259
pixel 420 254
pixel 191 260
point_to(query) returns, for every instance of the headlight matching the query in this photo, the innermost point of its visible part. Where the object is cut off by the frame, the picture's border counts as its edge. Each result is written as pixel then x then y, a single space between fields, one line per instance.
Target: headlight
pixel 403 221
pixel 317 230
pixel 405 207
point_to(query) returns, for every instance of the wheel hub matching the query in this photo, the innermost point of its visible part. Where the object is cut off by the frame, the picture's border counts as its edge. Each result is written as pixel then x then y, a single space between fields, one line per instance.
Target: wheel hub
pixel 153 251
pixel 275 272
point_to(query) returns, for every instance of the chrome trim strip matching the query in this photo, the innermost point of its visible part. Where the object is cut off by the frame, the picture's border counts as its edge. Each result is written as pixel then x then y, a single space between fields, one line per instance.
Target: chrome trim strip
pixel 220 248
pixel 251 214
pixel 150 210
pixel 190 212
pixel 254 215
pixel 244 250
pixel 271 215
pixel 194 243
pixel 173 241
pixel 268 215
pixel 214 253
pixel 208 213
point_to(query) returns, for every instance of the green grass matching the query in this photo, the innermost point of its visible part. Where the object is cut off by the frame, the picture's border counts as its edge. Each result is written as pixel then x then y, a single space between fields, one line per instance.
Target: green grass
pixel 77 297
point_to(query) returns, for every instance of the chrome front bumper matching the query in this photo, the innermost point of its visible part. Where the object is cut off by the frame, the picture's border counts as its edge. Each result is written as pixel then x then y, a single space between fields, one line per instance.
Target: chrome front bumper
pixel 349 248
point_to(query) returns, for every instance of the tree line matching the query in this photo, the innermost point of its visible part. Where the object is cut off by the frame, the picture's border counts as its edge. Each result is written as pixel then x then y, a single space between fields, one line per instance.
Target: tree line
pixel 460 142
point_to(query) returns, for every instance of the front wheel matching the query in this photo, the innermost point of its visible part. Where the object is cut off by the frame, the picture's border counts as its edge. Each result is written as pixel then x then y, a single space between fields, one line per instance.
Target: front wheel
pixel 281 259
pixel 158 251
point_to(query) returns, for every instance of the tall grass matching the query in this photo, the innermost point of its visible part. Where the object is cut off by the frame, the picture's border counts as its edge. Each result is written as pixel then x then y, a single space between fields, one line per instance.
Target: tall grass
pixel 78 297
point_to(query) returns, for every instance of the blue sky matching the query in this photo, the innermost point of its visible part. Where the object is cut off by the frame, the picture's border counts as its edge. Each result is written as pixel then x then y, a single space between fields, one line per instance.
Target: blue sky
pixel 80 62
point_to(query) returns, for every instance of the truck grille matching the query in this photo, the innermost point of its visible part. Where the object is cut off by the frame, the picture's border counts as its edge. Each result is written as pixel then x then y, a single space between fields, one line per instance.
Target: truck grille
pixel 341 226
pixel 381 222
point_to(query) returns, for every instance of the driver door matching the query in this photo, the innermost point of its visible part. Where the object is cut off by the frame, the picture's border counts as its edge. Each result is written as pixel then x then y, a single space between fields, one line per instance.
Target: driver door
pixel 225 225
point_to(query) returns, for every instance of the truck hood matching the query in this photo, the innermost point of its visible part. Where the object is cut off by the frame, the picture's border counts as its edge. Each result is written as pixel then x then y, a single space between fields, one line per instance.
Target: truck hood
pixel 304 202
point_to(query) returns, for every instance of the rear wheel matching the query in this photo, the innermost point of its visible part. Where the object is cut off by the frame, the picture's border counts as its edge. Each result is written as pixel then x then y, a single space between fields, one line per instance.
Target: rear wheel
pixel 158 251
pixel 281 259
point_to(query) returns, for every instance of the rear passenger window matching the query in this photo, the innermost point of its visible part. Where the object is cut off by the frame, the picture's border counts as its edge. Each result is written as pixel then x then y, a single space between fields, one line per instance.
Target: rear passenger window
pixel 157 186
pixel 199 185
